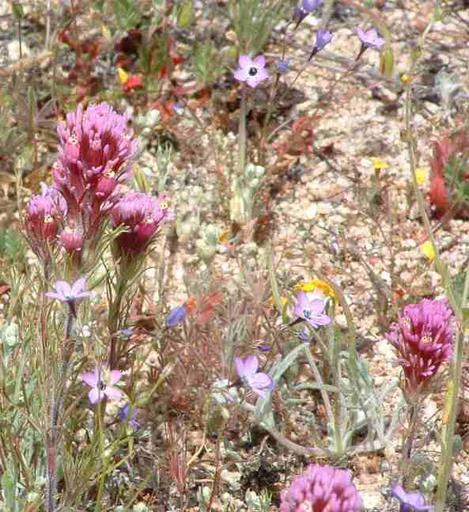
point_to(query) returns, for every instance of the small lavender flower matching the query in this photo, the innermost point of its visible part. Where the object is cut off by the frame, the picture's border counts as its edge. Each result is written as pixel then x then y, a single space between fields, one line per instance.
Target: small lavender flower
pixel 143 216
pixel 423 337
pixel 128 414
pixel 323 38
pixel 251 71
pixel 370 38
pixel 70 295
pixel 176 316
pixel 410 501
pixel 310 307
pixel 321 489
pixel 102 380
pixel 259 382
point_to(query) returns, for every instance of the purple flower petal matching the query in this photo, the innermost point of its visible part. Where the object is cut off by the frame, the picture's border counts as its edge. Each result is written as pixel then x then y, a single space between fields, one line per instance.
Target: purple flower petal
pixel 90 378
pixel 95 396
pixel 114 376
pixel 113 393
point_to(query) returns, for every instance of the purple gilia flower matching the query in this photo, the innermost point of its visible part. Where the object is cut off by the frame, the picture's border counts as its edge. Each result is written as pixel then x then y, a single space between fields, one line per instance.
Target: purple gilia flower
pixel 259 382
pixel 310 307
pixel 410 501
pixel 102 380
pixel 143 216
pixel 321 489
pixel 128 414
pixel 176 316
pixel 370 39
pixel 423 337
pixel 70 295
pixel 323 38
pixel 251 71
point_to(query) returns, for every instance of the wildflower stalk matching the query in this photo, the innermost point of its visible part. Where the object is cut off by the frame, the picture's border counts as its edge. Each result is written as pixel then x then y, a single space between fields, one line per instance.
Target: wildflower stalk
pixel 52 438
pixel 454 382
pixel 242 134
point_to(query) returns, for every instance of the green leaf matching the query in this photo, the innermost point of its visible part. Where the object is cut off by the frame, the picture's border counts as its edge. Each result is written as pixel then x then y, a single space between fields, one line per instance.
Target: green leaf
pixel 264 405
pixel 387 62
pixel 186 14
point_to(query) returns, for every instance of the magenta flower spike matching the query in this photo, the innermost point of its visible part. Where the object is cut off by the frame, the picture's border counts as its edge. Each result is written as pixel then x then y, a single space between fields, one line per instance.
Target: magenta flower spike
pixel 410 501
pixel 102 381
pixel 321 489
pixel 423 338
pixel 251 71
pixel 95 153
pixel 310 307
pixel 44 216
pixel 143 216
pixel 259 382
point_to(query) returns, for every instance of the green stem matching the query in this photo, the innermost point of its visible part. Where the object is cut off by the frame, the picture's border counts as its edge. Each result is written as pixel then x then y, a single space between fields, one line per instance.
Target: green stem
pixel 242 135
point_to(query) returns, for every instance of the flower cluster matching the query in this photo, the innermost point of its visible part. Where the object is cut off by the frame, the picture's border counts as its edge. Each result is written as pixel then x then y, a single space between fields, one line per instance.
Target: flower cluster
pixel 95 154
pixel 44 216
pixel 142 216
pixel 321 489
pixel 423 337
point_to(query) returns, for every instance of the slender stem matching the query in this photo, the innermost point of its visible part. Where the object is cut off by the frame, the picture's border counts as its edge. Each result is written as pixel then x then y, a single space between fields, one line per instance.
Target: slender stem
pixel 242 134
pixel 52 437
pixel 408 444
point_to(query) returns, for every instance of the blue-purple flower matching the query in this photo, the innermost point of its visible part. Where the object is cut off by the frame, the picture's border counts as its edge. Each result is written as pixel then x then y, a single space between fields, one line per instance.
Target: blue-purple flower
pixel 310 307
pixel 311 5
pixel 323 38
pixel 176 316
pixel 370 38
pixel 128 414
pixel 259 382
pixel 282 66
pixel 251 71
pixel 410 501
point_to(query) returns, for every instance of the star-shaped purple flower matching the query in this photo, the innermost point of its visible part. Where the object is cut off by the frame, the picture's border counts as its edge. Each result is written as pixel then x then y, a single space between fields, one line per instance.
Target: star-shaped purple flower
pixel 70 294
pixel 251 71
pixel 310 307
pixel 370 38
pixel 259 382
pixel 410 501
pixel 101 381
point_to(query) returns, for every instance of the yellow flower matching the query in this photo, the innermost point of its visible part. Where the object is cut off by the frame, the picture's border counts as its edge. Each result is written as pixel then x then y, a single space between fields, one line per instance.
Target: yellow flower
pixel 421 175
pixel 406 79
pixel 428 250
pixel 316 284
pixel 122 75
pixel 379 164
